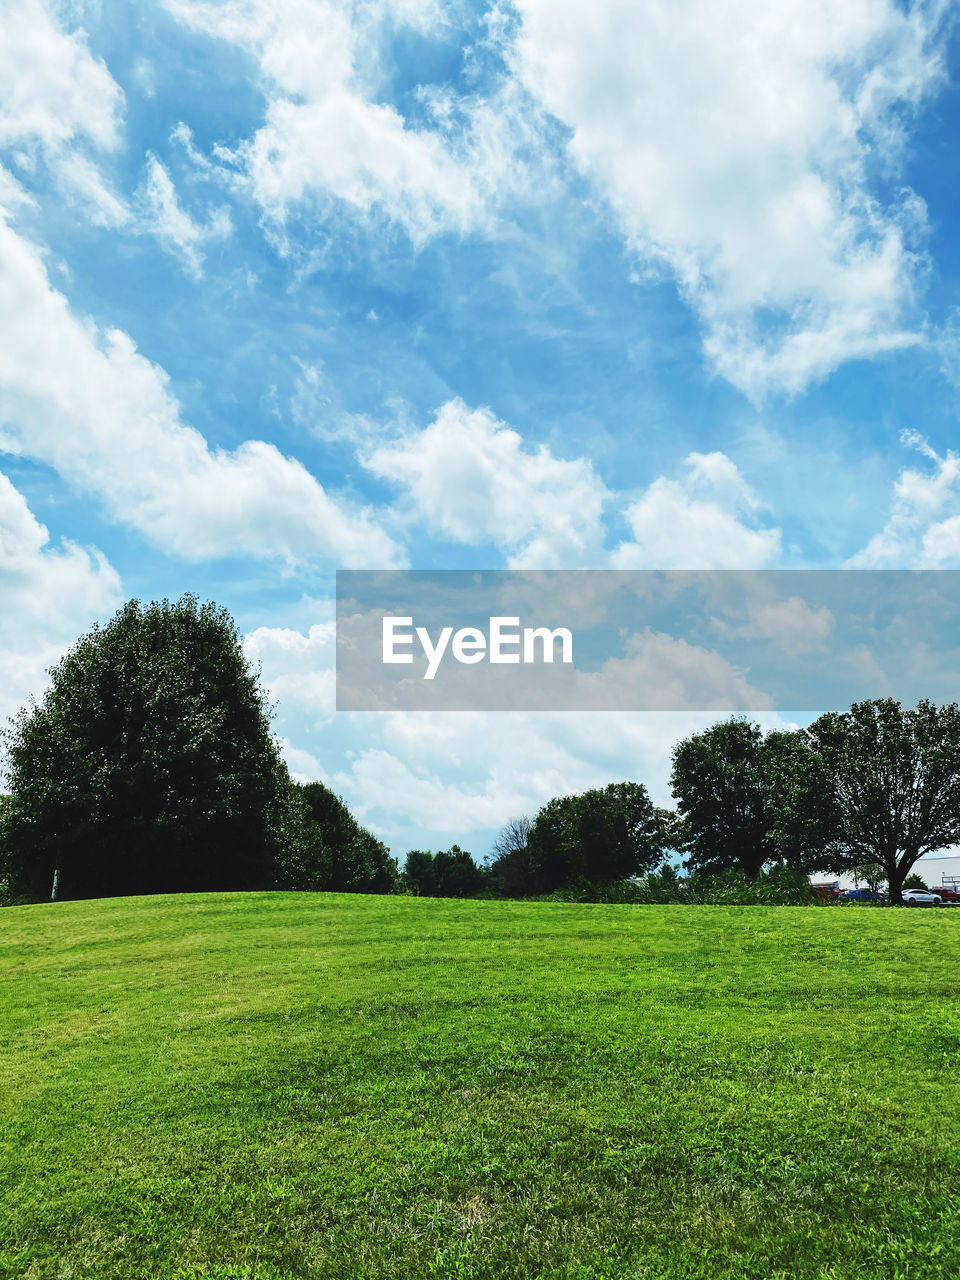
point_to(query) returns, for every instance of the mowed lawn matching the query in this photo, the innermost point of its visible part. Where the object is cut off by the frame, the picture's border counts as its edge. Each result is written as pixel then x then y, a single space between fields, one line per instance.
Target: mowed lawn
pixel 280 1085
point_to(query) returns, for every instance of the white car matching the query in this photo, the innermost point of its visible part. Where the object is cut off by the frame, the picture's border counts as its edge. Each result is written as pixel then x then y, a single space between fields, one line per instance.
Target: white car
pixel 921 898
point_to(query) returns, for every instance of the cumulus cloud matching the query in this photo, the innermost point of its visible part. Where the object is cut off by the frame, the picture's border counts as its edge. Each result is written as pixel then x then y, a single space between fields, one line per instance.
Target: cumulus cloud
pixel 793 625
pixel 434 778
pixel 471 478
pixel 56 97
pixel 424 776
pixel 50 595
pixel 739 146
pixel 709 519
pixel 297 669
pixel 327 139
pixel 923 528
pixel 89 404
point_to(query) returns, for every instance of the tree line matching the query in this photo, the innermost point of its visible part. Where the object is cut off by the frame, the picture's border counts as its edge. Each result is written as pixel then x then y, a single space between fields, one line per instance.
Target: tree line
pixel 149 767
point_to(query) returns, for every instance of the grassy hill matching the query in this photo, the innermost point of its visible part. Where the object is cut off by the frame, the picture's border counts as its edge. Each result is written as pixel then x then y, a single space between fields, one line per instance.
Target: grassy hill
pixel 296 1085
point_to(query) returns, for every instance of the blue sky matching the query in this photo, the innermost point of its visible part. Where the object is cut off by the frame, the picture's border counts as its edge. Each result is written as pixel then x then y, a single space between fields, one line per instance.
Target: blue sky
pixel 287 288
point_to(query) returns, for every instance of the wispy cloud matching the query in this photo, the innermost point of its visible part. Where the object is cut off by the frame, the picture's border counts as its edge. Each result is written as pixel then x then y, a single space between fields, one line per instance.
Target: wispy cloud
pixel 740 146
pixel 89 404
pixel 163 215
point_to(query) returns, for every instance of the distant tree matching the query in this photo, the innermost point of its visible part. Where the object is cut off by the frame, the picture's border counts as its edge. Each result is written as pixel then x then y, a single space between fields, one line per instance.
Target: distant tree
pixel 598 837
pixel 893 777
pixel 419 873
pixel 355 861
pixel 149 765
pixel 869 873
pixel 745 799
pixel 913 881
pixel 509 863
pixel 457 875
pixel 451 873
pixel 718 786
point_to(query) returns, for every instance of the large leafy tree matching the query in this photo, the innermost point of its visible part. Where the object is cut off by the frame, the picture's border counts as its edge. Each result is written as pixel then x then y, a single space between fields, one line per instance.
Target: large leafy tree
pixel 355 861
pixel 149 765
pixel 893 780
pixel 599 836
pixel 746 799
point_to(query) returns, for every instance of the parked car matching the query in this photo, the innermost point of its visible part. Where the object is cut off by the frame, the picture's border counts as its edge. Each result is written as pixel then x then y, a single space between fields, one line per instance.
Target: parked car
pixel 827 891
pixel 861 895
pixel 921 898
pixel 948 895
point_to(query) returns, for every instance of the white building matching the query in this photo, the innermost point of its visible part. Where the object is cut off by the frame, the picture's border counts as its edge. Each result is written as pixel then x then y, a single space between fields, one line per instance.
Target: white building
pixel 936 869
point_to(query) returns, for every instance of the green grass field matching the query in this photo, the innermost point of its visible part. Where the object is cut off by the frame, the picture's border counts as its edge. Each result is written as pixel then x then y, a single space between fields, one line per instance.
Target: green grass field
pixel 314 1085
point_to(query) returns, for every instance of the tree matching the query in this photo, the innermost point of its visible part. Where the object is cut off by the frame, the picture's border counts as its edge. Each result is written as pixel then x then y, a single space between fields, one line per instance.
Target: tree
pixel 458 876
pixel 893 780
pixel 149 765
pixel 599 836
pixel 451 873
pixel 355 861
pixel 419 873
pixel 509 865
pixel 745 800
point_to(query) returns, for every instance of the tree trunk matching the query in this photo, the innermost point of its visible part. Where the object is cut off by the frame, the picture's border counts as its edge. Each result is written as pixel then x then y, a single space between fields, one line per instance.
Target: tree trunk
pixel 895 878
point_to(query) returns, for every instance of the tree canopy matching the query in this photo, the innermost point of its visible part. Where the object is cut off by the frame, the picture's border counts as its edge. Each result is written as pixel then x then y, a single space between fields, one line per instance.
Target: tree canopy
pixel 450 873
pixel 354 860
pixel 746 799
pixel 149 766
pixel 598 836
pixel 892 779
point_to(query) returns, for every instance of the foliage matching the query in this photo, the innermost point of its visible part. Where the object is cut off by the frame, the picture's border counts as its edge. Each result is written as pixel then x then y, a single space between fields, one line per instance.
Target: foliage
pixel 745 799
pixel 149 765
pixel 893 778
pixel 450 873
pixel 419 875
pixel 914 881
pixel 354 860
pixel 780 886
pixel 269 1086
pixel 598 837
pixel 509 866
pixel 6 886
pixel 303 859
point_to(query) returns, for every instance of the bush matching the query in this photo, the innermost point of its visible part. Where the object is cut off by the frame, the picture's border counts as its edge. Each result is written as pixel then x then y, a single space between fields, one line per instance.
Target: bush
pixel 781 886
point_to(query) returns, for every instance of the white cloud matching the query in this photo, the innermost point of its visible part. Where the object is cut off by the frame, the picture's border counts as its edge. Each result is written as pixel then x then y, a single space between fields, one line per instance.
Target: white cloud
pixel 176 231
pixel 297 669
pixel 86 184
pixel 738 145
pixel 473 479
pixel 426 777
pixel 52 88
pixel 435 778
pixel 469 477
pixel 706 520
pixel 923 528
pixel 326 138
pixel 50 596
pixel 55 97
pixel 791 624
pixel 89 404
